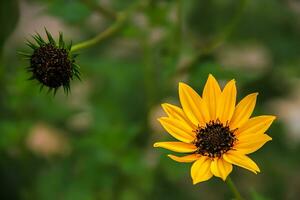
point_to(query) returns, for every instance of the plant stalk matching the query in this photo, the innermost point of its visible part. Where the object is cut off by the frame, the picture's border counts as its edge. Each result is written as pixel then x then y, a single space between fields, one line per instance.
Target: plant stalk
pixel 233 189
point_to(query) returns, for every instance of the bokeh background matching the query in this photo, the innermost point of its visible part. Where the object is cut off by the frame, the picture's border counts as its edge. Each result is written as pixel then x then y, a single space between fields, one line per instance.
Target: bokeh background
pixel 96 143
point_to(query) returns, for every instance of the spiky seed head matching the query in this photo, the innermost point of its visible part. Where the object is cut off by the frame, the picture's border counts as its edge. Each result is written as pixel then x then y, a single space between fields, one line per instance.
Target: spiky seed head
pixel 51 62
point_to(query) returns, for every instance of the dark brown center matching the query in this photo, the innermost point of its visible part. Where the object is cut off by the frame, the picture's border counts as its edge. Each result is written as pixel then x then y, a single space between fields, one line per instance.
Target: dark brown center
pixel 214 139
pixel 51 66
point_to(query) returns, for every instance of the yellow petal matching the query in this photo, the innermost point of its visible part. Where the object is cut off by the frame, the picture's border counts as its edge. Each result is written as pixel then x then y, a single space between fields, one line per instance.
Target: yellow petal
pixel 200 170
pixel 185 159
pixel 211 94
pixel 220 168
pixel 193 106
pixel 249 143
pixel 256 125
pixel 243 111
pixel 226 103
pixel 177 113
pixel 178 129
pixel 180 147
pixel 241 160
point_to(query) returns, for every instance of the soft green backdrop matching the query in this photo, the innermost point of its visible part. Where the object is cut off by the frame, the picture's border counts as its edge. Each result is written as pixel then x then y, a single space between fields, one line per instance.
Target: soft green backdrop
pixel 96 143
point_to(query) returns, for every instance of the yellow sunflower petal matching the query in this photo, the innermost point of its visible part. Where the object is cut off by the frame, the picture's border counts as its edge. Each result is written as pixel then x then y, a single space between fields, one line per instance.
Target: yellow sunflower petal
pixel 256 125
pixel 185 159
pixel 211 94
pixel 177 113
pixel 249 143
pixel 180 147
pixel 200 170
pixel 193 106
pixel 243 111
pixel 178 129
pixel 226 103
pixel 220 168
pixel 241 160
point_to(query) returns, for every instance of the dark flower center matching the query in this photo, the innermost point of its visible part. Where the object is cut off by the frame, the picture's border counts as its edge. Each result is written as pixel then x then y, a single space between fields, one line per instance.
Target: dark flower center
pixel 214 139
pixel 51 66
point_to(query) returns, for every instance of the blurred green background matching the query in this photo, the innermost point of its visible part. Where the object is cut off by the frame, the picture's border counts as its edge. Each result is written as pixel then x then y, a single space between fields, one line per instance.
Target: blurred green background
pixel 96 143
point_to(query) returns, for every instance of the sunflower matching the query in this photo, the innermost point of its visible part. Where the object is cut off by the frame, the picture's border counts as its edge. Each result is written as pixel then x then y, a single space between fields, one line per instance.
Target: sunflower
pixel 213 131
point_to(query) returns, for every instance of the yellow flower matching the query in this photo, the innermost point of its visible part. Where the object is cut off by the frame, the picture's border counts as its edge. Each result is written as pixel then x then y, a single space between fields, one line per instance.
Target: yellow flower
pixel 214 131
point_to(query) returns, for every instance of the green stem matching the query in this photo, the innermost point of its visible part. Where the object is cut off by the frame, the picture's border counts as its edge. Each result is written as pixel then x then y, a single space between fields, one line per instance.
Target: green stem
pixel 217 41
pixel 110 31
pixel 122 17
pixel 179 31
pixel 233 189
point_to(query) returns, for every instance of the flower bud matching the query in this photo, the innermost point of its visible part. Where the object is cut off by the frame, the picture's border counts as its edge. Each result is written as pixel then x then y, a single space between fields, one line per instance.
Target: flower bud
pixel 52 63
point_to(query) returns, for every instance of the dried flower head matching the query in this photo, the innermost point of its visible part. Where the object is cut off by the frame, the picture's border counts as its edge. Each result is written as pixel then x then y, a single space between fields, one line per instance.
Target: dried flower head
pixel 52 63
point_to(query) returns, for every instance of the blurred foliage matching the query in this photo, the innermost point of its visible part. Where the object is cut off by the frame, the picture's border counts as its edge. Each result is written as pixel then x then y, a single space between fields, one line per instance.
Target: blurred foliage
pixel 11 9
pixel 67 9
pixel 109 120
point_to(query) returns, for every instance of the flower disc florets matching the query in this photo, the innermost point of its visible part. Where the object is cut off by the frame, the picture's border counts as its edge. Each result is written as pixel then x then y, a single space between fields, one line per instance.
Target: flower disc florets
pixel 214 139
pixel 52 64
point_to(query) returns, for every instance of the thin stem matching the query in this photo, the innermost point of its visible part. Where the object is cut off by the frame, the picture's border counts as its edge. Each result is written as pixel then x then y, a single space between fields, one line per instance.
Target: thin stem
pixel 179 22
pixel 149 75
pixel 122 17
pixel 110 31
pixel 216 42
pixel 233 189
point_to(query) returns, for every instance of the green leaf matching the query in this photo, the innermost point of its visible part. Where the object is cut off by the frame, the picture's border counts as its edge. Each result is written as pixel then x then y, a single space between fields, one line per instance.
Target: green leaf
pixel 9 15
